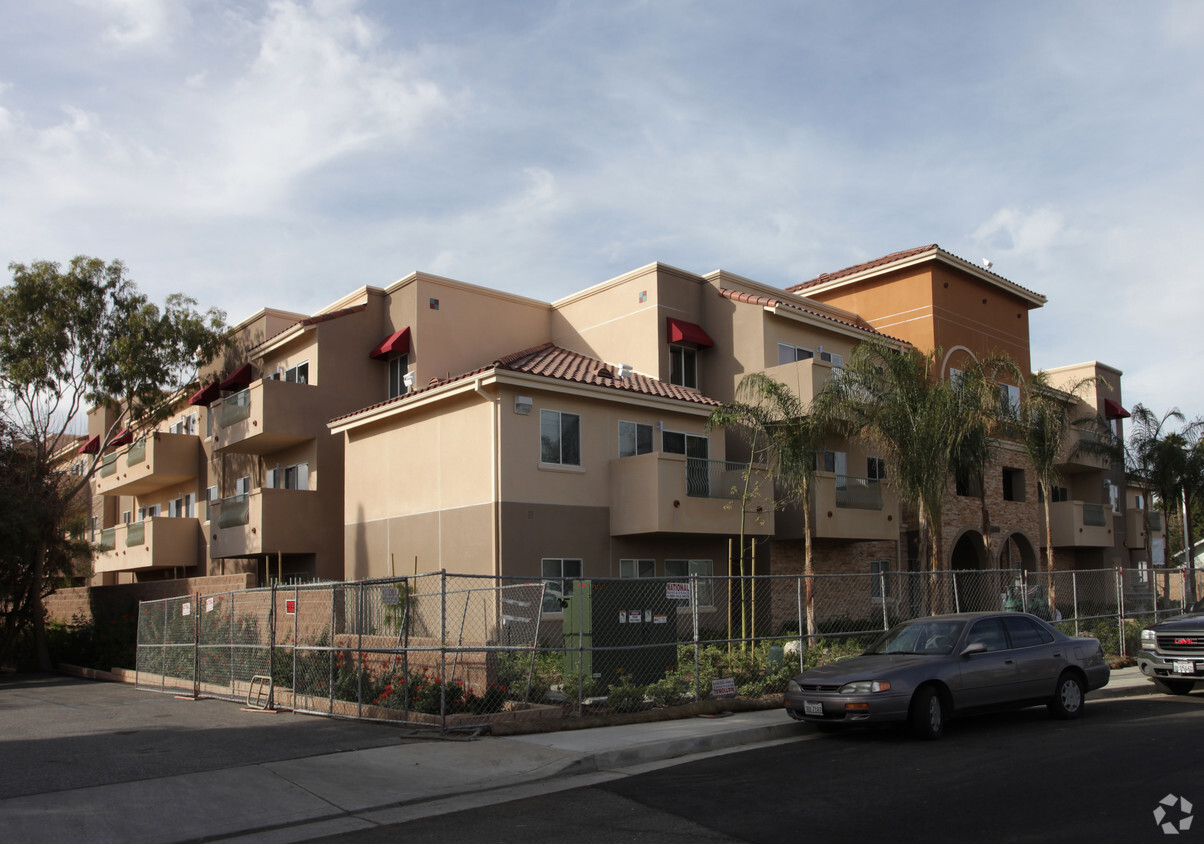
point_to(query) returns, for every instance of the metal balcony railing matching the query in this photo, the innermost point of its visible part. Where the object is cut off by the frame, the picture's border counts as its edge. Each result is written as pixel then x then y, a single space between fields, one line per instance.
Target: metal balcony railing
pixel 235 511
pixel 715 478
pixel 1093 514
pixel 235 408
pixel 855 493
pixel 1155 520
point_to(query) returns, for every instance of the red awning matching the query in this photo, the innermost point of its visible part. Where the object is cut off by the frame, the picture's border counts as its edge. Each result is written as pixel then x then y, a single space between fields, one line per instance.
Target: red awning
pixel 1113 410
pixel 123 437
pixel 681 331
pixel 237 379
pixel 397 343
pixel 206 395
pixel 91 446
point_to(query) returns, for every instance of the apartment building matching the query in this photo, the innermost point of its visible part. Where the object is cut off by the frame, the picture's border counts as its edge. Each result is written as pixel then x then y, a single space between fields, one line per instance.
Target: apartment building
pixel 435 424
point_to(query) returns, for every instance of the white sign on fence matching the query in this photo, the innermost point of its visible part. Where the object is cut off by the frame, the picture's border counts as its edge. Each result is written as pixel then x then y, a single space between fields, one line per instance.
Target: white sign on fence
pixel 723 688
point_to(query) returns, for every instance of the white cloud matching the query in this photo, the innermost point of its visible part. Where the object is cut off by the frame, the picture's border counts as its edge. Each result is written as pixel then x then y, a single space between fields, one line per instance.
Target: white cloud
pixel 140 23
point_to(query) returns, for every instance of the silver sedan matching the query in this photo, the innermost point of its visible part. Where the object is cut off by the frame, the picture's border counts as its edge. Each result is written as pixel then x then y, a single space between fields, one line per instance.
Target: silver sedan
pixel 927 670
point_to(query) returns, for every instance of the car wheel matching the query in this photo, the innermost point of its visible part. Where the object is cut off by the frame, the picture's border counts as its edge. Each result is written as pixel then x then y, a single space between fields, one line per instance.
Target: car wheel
pixel 1068 698
pixel 927 713
pixel 1174 687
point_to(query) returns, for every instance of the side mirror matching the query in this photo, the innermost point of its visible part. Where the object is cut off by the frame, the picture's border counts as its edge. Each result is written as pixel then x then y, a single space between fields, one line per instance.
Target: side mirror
pixel 974 648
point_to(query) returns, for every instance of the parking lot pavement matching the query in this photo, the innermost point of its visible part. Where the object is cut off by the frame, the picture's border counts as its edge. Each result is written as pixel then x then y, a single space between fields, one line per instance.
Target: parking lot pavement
pixel 61 733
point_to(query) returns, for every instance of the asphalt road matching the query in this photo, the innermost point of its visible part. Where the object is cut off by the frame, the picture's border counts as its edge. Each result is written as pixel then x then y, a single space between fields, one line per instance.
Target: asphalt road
pixel 58 733
pixel 1017 776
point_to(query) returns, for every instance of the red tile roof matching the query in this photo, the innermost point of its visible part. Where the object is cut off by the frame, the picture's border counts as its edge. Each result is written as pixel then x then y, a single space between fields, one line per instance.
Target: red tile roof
pixel 550 361
pixel 894 257
pixel 772 302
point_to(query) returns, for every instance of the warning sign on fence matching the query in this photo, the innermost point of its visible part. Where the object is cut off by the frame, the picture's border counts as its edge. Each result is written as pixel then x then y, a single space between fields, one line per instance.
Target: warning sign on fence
pixel 723 688
pixel 677 591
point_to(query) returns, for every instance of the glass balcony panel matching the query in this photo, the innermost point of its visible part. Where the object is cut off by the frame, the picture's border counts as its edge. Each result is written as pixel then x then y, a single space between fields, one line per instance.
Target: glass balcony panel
pixel 135 533
pixel 235 408
pixel 108 465
pixel 855 493
pixel 235 511
pixel 1093 515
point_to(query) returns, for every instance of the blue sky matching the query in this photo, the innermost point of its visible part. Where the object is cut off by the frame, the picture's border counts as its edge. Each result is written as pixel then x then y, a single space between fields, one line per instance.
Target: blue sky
pixel 280 154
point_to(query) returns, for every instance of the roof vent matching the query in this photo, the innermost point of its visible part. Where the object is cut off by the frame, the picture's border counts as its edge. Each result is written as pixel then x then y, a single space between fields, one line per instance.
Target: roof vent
pixel 625 370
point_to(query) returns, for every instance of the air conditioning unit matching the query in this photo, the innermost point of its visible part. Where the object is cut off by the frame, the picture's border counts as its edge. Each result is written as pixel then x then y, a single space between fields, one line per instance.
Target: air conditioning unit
pixel 408 379
pixel 624 370
pixel 522 405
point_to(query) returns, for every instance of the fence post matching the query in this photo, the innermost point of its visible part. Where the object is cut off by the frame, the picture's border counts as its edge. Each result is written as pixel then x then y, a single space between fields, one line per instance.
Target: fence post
pixel 798 583
pixel 1023 590
pixel 330 657
pixel 272 650
pixel 957 604
pixel 296 641
pixel 579 605
pixel 1074 589
pixel 359 648
pixel 1120 610
pixel 443 650
pixel 196 645
pixel 694 617
pixel 882 592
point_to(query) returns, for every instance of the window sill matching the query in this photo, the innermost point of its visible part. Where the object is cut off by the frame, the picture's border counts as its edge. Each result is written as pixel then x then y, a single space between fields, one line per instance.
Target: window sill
pixel 560 467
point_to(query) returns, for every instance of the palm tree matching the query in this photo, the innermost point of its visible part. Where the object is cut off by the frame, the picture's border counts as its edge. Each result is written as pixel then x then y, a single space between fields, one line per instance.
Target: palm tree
pixel 783 438
pixel 1143 461
pixel 895 400
pixel 988 414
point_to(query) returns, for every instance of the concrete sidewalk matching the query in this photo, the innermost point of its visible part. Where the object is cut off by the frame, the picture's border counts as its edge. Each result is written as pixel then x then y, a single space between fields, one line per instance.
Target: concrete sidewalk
pixel 306 798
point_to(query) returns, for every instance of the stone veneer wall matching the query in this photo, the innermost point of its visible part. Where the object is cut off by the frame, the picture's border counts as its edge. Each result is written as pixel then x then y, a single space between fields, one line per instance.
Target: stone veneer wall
pixel 834 598
pixel 964 513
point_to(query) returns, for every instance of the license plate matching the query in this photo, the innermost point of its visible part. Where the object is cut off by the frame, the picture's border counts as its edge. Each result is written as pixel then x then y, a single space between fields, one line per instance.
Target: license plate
pixel 1185 666
pixel 813 707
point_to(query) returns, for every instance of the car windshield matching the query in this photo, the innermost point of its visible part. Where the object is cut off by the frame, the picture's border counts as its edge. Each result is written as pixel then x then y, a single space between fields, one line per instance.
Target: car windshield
pixel 925 636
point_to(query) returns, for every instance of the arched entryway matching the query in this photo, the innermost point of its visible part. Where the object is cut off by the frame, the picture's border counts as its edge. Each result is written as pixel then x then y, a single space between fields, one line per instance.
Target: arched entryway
pixel 1015 552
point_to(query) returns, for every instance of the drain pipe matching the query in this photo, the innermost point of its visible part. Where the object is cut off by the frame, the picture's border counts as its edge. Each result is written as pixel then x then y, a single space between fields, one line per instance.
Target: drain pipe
pixel 495 475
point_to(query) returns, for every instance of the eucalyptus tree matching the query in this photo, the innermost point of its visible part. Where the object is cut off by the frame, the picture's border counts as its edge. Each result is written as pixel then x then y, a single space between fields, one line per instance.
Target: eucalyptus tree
pixel 898 401
pixel 80 337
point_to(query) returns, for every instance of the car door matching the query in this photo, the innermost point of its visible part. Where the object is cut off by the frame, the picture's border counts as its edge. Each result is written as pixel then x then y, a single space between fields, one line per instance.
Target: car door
pixel 989 677
pixel 1039 659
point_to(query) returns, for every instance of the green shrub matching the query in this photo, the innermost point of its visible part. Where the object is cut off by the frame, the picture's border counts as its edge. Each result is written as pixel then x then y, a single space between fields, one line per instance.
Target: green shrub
pixel 626 696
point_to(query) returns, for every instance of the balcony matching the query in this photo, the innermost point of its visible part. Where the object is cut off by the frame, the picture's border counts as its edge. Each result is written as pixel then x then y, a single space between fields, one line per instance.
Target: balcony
pixel 670 493
pixel 845 507
pixel 1079 524
pixel 267 521
pixel 267 416
pixel 161 542
pixel 1076 456
pixel 805 378
pixel 1135 526
pixel 160 460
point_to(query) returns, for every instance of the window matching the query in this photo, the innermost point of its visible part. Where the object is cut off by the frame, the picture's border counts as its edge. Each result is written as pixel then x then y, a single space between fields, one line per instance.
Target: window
pixel 789 354
pixel 836 462
pixel 704 569
pixel 988 632
pixel 697 451
pixel 1013 484
pixel 968 485
pixel 210 496
pixel 1024 633
pixel 287 477
pixel 242 486
pixel 208 424
pixel 558 573
pixel 880 582
pixel 1010 396
pixel 634 438
pixel 637 568
pixel 559 438
pixel 398 367
pixel 126 517
pixel 298 374
pixel 831 357
pixel 175 508
pixel 188 510
pixel 683 367
pixel 1112 495
pixel 1060 493
pixel 875 468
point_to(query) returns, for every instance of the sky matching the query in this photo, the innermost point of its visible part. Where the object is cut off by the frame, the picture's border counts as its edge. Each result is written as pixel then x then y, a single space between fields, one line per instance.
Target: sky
pixel 281 154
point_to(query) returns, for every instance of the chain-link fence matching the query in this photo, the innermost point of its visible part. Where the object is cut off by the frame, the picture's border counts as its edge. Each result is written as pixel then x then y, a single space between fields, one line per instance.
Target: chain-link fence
pixel 460 652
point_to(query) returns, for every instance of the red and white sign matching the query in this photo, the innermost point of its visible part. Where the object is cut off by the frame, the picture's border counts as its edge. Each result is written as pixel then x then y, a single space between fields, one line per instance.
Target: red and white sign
pixel 186 609
pixel 677 591
pixel 290 607
pixel 208 605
